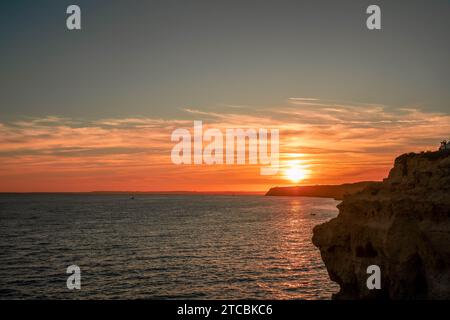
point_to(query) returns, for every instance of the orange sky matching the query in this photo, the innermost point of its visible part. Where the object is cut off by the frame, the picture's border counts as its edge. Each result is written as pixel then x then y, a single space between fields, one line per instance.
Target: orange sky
pixel 334 142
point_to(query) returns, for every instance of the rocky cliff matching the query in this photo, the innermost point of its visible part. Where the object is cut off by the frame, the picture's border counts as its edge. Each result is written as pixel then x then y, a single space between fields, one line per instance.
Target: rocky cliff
pixel 401 225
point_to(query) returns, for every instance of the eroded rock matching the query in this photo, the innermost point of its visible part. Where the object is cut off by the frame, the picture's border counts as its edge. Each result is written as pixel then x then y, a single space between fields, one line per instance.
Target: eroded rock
pixel 402 225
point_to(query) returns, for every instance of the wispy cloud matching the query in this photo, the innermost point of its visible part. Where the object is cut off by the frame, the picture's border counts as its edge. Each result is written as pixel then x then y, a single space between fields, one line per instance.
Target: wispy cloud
pixel 302 99
pixel 340 143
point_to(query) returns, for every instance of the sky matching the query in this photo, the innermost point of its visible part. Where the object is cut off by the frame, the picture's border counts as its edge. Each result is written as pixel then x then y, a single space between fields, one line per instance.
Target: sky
pixel 94 109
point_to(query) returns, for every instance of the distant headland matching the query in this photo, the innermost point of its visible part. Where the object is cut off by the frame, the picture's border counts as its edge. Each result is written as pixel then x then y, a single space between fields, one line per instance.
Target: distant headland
pixel 323 191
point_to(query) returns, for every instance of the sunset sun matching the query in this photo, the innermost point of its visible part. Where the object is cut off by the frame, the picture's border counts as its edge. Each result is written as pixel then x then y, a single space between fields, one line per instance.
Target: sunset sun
pixel 295 172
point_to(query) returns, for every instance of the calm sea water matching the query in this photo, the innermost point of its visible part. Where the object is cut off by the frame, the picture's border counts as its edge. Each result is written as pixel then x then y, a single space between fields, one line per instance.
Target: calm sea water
pixel 206 247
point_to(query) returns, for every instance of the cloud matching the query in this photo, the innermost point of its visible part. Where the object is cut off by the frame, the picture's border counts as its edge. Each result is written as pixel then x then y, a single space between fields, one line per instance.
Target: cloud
pixel 340 142
pixel 302 99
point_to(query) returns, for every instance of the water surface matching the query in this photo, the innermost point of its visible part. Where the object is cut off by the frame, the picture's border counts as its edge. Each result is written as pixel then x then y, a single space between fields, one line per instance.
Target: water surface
pixel 206 247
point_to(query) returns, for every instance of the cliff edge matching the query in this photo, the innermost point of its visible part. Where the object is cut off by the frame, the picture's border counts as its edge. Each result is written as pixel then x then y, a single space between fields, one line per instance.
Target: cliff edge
pixel 401 225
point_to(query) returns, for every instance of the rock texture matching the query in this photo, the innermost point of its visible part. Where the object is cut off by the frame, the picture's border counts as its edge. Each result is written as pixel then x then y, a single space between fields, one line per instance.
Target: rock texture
pixel 402 225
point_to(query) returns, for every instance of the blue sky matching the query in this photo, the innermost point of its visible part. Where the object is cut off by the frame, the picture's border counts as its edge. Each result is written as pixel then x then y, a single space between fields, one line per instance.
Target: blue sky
pixel 155 58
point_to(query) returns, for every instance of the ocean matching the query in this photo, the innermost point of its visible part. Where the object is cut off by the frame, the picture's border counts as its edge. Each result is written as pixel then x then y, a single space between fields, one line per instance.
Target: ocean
pixel 162 246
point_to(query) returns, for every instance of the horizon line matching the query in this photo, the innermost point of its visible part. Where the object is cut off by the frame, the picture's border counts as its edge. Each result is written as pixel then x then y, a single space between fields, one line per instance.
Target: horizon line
pixel 193 192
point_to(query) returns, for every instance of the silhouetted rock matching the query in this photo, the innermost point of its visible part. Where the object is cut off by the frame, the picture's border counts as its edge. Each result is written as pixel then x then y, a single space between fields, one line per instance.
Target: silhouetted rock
pixel 402 225
pixel 322 191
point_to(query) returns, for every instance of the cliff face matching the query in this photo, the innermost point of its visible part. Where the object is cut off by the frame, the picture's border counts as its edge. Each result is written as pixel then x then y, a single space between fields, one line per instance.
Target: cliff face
pixel 402 225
